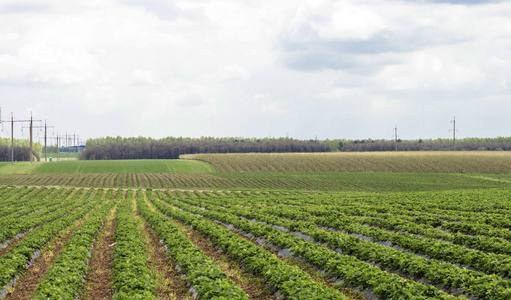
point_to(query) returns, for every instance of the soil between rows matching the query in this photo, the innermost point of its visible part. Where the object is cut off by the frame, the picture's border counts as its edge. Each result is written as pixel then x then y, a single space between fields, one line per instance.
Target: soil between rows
pixel 99 278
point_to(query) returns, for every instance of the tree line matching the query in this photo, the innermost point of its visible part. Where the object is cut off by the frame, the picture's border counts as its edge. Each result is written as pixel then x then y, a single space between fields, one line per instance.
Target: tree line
pixel 172 150
pixel 171 139
pixel 20 153
pixel 374 146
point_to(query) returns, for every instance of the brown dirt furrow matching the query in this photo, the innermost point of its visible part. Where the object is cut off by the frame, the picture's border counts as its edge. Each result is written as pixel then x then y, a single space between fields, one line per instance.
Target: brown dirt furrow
pixel 169 283
pixel 11 245
pixel 25 285
pixel 252 285
pixel 99 278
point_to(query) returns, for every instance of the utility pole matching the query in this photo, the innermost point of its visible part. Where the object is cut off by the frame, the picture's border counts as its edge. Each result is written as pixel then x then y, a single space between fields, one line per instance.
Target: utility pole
pixel 12 135
pixel 395 136
pixel 67 146
pixel 45 136
pixel 453 122
pixel 58 148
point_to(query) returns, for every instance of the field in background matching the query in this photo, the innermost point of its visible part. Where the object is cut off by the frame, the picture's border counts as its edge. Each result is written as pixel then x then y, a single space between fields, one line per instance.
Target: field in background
pixel 346 182
pixel 404 162
pixel 107 166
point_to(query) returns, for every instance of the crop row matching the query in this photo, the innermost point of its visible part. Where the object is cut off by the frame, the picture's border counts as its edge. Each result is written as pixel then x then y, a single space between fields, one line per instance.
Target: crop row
pixel 201 273
pixel 19 257
pixel 290 281
pixel 132 276
pixel 351 270
pixel 47 212
pixel 65 278
pixel 435 272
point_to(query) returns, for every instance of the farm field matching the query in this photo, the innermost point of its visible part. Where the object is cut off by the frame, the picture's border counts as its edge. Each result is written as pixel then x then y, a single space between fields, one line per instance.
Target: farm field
pixel 318 181
pixel 254 244
pixel 486 162
pixel 111 166
pixel 146 230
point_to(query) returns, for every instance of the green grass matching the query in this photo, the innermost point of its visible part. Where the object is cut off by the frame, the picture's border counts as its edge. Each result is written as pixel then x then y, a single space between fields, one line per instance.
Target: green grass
pixel 108 166
pixel 21 167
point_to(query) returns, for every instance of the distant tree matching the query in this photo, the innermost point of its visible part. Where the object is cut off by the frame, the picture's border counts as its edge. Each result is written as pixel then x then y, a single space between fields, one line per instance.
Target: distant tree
pixel 340 146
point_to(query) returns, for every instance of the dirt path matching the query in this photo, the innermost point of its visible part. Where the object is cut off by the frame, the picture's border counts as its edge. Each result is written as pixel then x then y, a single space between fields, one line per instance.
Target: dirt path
pixel 99 278
pixel 168 281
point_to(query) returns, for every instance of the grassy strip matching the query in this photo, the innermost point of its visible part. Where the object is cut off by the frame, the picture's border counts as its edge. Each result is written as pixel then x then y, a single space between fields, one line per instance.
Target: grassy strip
pixel 18 258
pixel 132 276
pixel 65 279
pixel 291 282
pixel 203 274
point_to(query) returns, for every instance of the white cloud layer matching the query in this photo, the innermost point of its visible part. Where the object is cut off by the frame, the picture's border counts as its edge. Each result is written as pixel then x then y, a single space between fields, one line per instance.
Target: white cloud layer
pixel 331 68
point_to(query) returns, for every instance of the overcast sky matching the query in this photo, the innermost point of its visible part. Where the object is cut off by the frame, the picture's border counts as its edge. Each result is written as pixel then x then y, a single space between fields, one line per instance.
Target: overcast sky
pixel 258 68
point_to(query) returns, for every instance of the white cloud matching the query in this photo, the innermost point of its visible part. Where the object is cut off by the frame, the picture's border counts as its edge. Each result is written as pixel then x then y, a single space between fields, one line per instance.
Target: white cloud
pixel 142 77
pixel 254 68
pixel 43 64
pixel 234 72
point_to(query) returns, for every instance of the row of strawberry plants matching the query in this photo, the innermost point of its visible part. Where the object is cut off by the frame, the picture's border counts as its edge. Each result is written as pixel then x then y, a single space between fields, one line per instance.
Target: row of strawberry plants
pixel 15 201
pixel 490 263
pixel 289 281
pixel 48 212
pixel 435 272
pixel 393 223
pixel 416 225
pixel 19 257
pixel 206 278
pixel 416 207
pixel 132 277
pixel 480 242
pixel 65 278
pixel 486 262
pixel 29 206
pixel 419 208
pixel 349 269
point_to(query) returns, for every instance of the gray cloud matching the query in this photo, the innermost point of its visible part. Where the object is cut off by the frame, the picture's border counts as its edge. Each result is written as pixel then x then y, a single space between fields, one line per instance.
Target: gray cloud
pixel 309 52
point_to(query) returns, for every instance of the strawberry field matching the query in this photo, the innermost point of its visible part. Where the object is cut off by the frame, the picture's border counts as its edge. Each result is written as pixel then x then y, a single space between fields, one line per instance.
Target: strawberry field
pixel 103 243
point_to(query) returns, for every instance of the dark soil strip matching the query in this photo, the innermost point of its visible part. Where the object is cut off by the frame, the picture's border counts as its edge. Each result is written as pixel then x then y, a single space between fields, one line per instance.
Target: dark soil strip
pixel 248 282
pixel 11 245
pixel 99 278
pixel 104 181
pixel 160 180
pixel 143 180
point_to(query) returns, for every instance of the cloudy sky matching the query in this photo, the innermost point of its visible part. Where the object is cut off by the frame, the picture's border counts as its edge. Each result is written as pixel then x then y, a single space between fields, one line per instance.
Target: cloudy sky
pixel 257 68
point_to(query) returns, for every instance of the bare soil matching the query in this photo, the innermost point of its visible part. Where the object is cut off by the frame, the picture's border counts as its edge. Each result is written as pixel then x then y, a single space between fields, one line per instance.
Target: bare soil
pixel 99 278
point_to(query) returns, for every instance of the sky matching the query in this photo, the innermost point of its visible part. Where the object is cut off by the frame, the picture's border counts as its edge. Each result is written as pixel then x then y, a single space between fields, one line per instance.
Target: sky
pixel 349 69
